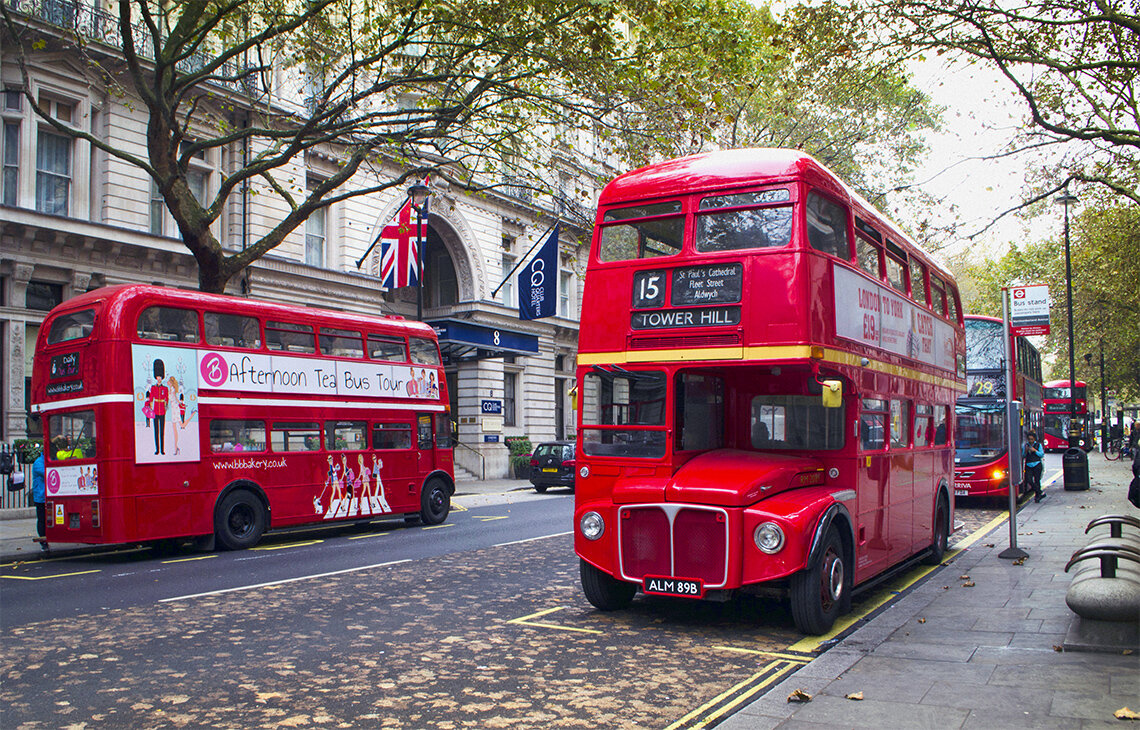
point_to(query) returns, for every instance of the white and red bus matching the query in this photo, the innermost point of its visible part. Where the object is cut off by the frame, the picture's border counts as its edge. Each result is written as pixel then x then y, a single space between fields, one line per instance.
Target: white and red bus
pixel 171 414
pixel 981 442
pixel 1059 402
pixel 767 372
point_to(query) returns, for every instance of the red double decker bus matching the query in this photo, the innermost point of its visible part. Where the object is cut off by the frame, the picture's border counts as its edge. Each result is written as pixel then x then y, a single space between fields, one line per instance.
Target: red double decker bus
pixel 171 414
pixel 767 371
pixel 981 443
pixel 1059 402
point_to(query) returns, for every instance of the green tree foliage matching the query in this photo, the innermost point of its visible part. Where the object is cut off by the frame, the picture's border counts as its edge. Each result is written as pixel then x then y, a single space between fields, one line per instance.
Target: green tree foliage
pixel 1074 63
pixel 1106 292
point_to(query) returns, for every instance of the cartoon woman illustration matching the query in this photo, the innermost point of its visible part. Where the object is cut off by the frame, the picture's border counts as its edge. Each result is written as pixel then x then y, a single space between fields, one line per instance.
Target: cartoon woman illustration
pixel 365 482
pixel 176 425
pixel 377 464
pixel 157 398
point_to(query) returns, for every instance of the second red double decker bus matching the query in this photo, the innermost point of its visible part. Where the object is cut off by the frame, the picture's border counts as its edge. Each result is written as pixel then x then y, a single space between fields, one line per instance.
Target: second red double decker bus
pixel 767 373
pixel 1060 420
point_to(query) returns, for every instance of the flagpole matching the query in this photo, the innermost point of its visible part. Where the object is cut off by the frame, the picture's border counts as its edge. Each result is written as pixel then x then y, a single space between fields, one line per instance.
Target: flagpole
pixel 421 192
pixel 522 260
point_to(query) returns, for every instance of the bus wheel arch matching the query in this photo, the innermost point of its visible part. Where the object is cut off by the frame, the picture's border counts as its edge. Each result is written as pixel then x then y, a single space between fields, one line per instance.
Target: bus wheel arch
pixel 602 590
pixel 241 515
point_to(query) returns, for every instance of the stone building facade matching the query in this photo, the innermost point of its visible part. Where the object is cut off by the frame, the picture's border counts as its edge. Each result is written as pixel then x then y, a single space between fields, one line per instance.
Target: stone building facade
pixel 73 218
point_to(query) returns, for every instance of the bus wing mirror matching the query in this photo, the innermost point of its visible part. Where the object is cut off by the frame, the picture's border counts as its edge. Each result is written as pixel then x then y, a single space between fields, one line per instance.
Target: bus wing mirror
pixel 832 393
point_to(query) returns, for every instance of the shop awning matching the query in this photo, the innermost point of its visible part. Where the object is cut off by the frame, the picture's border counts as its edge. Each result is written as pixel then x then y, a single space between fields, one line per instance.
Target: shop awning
pixel 461 341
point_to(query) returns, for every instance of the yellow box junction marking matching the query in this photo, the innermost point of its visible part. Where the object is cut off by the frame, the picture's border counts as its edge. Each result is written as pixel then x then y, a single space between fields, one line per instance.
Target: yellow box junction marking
pixel 492 518
pixel 526 621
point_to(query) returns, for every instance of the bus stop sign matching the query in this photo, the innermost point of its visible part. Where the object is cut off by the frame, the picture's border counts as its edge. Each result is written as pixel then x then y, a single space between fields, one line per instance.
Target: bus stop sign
pixel 1029 310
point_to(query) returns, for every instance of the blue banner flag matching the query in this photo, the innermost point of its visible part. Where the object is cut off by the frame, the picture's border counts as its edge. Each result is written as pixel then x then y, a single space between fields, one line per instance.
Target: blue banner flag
pixel 538 281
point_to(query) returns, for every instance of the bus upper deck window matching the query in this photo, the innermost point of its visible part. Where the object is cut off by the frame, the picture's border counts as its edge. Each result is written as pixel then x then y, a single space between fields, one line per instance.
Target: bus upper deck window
pixel 868 254
pixel 937 295
pixel 918 282
pixel 72 326
pixel 168 324
pixel 659 234
pixel 827 226
pixel 896 275
pixel 341 343
pixel 289 337
pixel 392 349
pixel 734 226
pixel 232 330
pixel 424 351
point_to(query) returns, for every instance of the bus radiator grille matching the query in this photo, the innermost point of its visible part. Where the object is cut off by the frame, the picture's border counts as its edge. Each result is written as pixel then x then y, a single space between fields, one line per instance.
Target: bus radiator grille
pixel 699 544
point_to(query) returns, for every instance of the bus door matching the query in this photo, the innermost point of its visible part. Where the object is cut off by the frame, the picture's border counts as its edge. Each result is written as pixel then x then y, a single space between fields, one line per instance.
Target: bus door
pixel 872 546
pixel 395 462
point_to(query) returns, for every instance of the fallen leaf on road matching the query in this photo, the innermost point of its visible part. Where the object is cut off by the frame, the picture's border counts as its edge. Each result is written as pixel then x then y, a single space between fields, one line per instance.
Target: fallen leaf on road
pixel 1019 561
pixel 1058 647
pixel 855 696
pixel 1126 714
pixel 799 696
pixel 963 577
pixel 968 584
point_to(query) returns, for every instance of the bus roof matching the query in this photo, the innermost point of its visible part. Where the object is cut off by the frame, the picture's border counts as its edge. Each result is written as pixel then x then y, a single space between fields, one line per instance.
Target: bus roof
pixel 709 171
pixel 123 297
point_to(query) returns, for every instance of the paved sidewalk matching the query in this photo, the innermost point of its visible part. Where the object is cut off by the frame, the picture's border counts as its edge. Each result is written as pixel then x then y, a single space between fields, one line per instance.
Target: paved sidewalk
pixel 952 656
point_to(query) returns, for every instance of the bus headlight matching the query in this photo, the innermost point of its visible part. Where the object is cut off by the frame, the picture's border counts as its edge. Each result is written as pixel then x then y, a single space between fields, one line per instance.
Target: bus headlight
pixel 998 474
pixel 584 471
pixel 769 538
pixel 592 525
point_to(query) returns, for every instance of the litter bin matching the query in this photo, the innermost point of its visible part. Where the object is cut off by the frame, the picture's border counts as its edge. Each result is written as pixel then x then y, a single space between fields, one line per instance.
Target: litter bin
pixel 1075 464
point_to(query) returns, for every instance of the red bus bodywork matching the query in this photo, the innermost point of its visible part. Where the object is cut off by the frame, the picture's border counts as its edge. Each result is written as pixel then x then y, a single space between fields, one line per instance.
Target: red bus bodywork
pixel 697 371
pixel 981 455
pixel 1058 414
pixel 186 414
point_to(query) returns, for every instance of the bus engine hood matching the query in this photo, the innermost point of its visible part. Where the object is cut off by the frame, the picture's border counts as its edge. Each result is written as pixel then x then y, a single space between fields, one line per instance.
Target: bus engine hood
pixel 733 478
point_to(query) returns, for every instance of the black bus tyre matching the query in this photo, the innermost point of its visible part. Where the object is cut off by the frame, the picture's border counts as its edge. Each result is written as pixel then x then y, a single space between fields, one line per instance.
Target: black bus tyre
pixel 941 533
pixel 435 502
pixel 240 521
pixel 819 592
pixel 605 592
pixel 541 489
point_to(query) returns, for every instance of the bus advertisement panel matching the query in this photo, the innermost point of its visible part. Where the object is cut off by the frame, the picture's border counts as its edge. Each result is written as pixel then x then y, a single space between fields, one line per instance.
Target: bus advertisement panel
pixel 173 414
pixel 777 414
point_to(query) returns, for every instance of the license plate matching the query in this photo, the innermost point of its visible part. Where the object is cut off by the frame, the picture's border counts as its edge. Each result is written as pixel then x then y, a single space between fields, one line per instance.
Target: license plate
pixel 961 492
pixel 684 587
pixel 550 471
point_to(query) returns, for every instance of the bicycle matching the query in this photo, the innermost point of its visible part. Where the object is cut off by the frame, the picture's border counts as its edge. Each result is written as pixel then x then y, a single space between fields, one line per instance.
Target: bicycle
pixel 1113 450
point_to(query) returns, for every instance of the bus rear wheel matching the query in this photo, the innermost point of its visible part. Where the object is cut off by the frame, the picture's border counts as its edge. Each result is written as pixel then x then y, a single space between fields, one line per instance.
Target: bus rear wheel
pixel 605 592
pixel 240 520
pixel 435 502
pixel 941 533
pixel 819 592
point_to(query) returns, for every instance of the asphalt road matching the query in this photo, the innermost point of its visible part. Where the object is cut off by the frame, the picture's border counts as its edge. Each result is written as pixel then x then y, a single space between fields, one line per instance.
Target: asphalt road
pixel 478 623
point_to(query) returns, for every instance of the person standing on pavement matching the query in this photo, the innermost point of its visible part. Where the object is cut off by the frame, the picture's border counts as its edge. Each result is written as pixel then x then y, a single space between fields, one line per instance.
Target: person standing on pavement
pixel 1033 454
pixel 39 497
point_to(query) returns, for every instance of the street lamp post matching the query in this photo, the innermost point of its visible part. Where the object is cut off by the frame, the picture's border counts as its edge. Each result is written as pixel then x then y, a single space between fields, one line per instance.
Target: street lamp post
pixel 1068 201
pixel 1103 398
pixel 418 195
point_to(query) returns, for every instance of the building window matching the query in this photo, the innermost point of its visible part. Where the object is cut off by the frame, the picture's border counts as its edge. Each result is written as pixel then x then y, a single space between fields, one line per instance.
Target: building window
pixel 42 296
pixel 315 237
pixel 565 280
pixel 157 210
pixel 11 159
pixel 53 173
pixel 507 292
pixel 196 180
pixel 510 387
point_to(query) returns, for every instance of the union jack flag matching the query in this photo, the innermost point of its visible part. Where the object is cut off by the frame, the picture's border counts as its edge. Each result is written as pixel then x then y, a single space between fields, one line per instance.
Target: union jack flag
pixel 399 249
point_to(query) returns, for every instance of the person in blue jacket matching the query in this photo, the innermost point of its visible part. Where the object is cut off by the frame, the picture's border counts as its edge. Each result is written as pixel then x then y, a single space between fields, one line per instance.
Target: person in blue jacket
pixel 39 496
pixel 1034 453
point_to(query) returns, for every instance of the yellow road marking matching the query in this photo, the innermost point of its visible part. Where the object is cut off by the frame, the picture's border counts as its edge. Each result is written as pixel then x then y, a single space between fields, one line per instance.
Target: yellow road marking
pixel 456 507
pixel 365 537
pixel 981 532
pixel 187 560
pixel 759 680
pixel 48 577
pixel 776 654
pixel 492 519
pixel 440 527
pixel 306 543
pixel 526 621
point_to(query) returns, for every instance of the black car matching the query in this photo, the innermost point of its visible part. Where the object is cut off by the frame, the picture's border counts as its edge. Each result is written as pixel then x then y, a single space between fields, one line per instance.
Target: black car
pixel 552 465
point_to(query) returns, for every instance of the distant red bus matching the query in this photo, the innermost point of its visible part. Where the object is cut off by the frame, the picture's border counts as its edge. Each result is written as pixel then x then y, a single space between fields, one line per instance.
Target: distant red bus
pixel 1058 415
pixel 172 414
pixel 767 372
pixel 981 448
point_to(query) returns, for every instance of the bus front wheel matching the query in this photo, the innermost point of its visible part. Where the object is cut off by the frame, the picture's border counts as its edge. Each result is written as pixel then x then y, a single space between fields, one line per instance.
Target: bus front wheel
pixel 605 592
pixel 819 591
pixel 240 521
pixel 435 502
